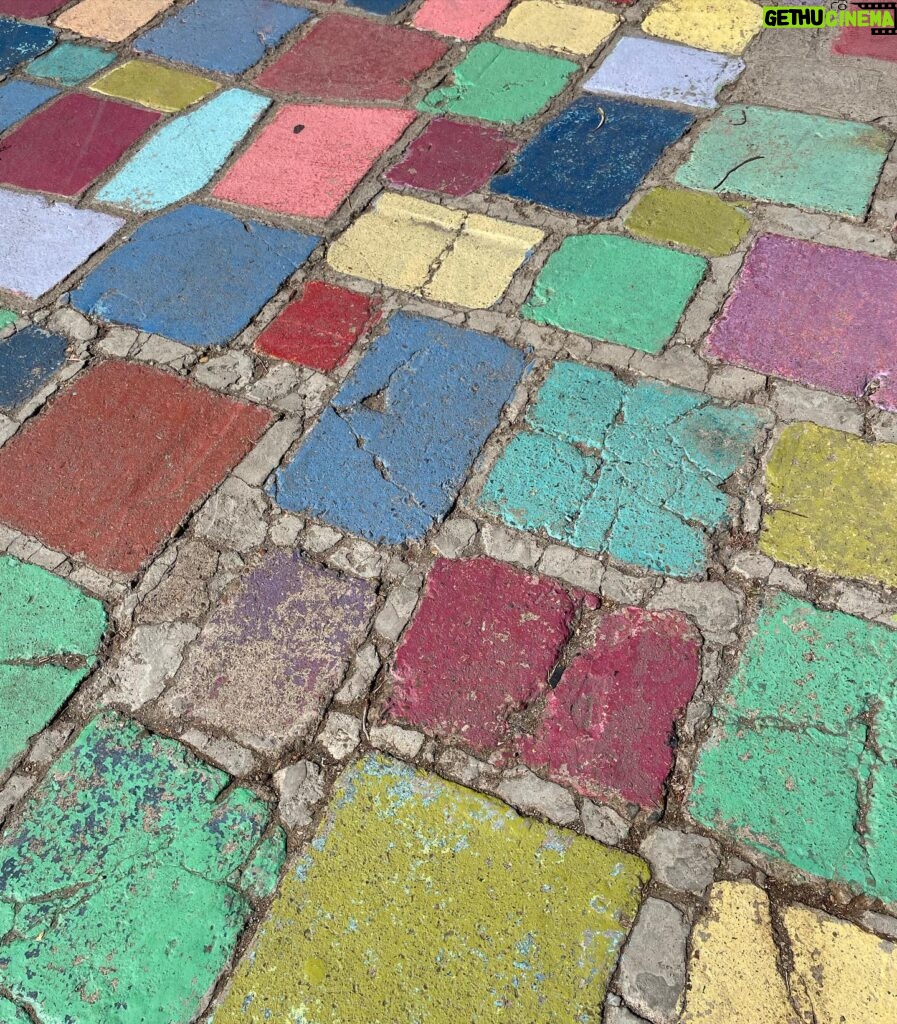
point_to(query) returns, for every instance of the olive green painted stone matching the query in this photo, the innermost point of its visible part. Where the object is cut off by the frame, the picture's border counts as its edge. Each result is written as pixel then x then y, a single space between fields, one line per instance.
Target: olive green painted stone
pixel 119 883
pixel 615 289
pixel 49 634
pixel 800 762
pixel 496 83
pixel 420 900
pixel 154 85
pixel 693 219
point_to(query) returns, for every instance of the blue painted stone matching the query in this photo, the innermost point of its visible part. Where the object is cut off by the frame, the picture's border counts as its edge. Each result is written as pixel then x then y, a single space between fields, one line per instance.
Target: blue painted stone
pixel 28 359
pixel 70 63
pixel 20 41
pixel 194 275
pixel 591 157
pixel 18 99
pixel 222 35
pixel 403 431
pixel 378 6
pixel 185 153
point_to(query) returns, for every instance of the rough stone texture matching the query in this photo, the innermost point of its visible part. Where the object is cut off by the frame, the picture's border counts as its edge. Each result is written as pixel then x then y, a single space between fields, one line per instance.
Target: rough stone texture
pixel 233 517
pixel 652 968
pixel 301 788
pixel 340 735
pixel 532 795
pixel 714 607
pixel 681 860
pixel 149 659
pixel 603 823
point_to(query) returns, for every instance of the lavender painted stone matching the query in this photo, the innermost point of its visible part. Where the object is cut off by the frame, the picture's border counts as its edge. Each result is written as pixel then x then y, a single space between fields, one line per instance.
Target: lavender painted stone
pixel 271 656
pixel 651 70
pixel 43 243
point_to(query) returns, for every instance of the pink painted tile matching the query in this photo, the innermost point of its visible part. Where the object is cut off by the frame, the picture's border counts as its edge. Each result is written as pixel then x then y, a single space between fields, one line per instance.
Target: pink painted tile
pixel 812 313
pixel 856 41
pixel 308 160
pixel 463 19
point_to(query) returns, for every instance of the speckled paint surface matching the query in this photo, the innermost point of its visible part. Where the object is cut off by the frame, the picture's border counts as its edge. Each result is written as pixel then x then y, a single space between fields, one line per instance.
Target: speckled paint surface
pixel 692 219
pixel 28 360
pixel 483 913
pixel 19 41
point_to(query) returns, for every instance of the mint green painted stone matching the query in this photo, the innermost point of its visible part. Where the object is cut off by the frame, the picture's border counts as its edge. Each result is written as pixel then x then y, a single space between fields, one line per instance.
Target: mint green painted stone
pixel 70 63
pixel 7 317
pixel 789 158
pixel 615 289
pixel 260 878
pixel 10 1013
pixel 49 634
pixel 123 875
pixel 496 83
pixel 803 746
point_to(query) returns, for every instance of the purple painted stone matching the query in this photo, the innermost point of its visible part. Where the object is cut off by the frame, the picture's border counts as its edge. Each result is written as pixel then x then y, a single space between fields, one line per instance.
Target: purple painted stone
pixel 269 659
pixel 811 313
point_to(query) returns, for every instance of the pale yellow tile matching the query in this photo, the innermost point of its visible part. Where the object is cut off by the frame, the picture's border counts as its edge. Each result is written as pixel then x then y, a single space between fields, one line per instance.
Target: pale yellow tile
pixel 112 20
pixel 553 25
pixel 725 26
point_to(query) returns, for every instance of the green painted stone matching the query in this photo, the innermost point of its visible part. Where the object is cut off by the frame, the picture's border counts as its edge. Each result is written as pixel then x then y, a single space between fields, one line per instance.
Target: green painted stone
pixel 419 900
pixel 496 83
pixel 803 747
pixel 49 634
pixel 615 289
pixel 693 219
pixel 11 1014
pixel 790 158
pixel 119 874
pixel 7 317
pixel 262 874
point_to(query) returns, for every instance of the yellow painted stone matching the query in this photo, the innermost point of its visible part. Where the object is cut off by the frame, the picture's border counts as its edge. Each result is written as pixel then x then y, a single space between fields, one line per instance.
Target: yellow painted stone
pixel 112 20
pixel 732 976
pixel 726 26
pixel 432 251
pixel 833 498
pixel 553 25
pixel 154 85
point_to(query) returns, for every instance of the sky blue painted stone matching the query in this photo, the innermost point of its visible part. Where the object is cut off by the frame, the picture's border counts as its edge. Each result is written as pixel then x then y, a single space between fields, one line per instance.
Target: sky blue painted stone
pixel 19 41
pixel 28 359
pixel 194 275
pixel 378 6
pixel 70 63
pixel 184 153
pixel 18 99
pixel 222 35
pixel 403 431
pixel 591 157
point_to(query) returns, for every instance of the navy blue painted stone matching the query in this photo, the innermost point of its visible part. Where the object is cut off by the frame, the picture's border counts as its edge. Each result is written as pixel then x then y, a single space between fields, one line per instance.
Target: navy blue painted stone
pixel 378 6
pixel 593 155
pixel 195 275
pixel 18 99
pixel 20 42
pixel 392 449
pixel 28 359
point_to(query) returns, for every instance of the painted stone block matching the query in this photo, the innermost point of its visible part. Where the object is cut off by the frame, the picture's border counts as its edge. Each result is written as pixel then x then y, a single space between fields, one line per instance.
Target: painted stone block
pixel 634 470
pixel 615 289
pixel 343 57
pixel 857 41
pixel 70 63
pixel 49 636
pixel 378 6
pixel 463 19
pixel 496 83
pixel 19 99
pixel 28 360
pixel 110 19
pixel 29 8
pixel 205 290
pixel 726 26
pixel 439 391
pixel 154 86
pixel 784 157
pixel 7 317
pixel 19 42
pixel 591 157
pixel 152 844
pixel 118 460
pixel 480 910
pixel 693 219
pixel 553 25
pixel 309 158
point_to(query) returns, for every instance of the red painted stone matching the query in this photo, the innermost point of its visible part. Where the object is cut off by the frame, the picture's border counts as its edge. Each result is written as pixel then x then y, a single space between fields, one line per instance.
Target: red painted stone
pixel 855 41
pixel 30 8
pixel 320 327
pixel 607 725
pixel 118 460
pixel 452 158
pixel 482 646
pixel 69 144
pixel 353 59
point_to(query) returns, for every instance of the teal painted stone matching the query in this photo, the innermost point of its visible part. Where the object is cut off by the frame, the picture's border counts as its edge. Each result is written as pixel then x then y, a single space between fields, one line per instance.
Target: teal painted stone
pixel 121 880
pixel 631 470
pixel 70 63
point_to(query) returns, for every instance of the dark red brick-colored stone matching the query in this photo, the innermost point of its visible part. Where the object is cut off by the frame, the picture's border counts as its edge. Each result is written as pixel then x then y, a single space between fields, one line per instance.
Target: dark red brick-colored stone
pixel 320 327
pixel 115 463
pixel 30 8
pixel 66 146
pixel 858 41
pixel 452 158
pixel 353 59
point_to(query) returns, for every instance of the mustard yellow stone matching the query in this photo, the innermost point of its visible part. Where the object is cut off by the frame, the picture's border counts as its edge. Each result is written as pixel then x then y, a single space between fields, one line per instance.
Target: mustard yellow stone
pixel 726 26
pixel 833 498
pixel 553 25
pixel 153 85
pixel 441 254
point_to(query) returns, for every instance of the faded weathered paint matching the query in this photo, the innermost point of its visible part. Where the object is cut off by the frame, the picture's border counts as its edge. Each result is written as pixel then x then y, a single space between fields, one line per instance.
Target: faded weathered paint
pixel 693 219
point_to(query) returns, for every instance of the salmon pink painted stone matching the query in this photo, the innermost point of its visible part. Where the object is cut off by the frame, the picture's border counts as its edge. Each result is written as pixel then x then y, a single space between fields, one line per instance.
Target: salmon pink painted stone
pixel 463 19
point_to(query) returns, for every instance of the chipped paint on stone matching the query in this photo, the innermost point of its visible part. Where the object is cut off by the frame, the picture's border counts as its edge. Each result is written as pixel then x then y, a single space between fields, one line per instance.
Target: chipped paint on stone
pixel 693 219
pixel 19 42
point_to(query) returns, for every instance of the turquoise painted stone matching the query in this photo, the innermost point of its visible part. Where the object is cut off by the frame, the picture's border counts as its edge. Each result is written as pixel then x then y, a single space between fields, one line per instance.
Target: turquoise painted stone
pixel 70 63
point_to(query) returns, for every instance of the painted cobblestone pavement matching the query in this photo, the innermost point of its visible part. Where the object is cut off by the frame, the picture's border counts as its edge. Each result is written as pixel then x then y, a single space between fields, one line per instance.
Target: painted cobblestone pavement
pixel 447 563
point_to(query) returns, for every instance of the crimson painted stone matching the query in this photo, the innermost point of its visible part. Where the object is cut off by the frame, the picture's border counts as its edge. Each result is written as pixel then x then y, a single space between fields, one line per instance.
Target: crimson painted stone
pixel 452 157
pixel 816 314
pixel 353 59
pixel 68 145
pixel 271 656
pixel 320 327
pixel 857 41
pixel 118 460
pixel 30 8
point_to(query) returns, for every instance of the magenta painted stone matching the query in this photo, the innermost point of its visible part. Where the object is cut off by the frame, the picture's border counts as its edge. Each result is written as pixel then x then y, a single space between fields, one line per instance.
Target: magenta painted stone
pixel 271 656
pixel 608 723
pixel 452 158
pixel 811 313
